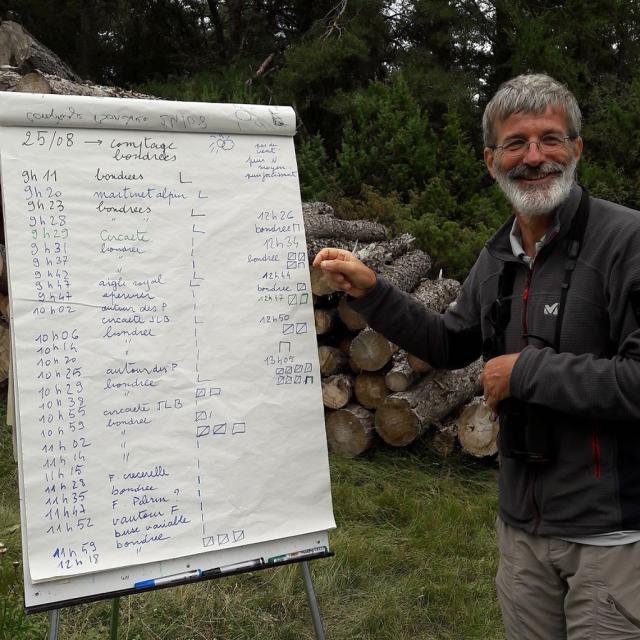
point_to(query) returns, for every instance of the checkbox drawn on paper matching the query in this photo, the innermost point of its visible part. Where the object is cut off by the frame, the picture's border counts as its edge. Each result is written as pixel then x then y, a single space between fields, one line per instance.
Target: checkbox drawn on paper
pixel 239 427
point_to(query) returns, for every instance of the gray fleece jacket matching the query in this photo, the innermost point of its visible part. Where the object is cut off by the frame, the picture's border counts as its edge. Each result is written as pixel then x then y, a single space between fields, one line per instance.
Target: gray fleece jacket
pixel 592 384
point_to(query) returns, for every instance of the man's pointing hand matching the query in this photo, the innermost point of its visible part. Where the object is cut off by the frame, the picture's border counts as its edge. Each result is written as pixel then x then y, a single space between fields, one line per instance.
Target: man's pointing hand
pixel 345 272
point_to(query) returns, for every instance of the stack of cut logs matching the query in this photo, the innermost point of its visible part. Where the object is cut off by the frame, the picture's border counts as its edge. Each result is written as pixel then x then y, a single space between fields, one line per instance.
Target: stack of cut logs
pixel 372 389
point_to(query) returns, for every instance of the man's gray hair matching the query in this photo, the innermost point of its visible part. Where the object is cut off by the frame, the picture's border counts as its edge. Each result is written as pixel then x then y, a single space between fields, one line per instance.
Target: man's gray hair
pixel 530 94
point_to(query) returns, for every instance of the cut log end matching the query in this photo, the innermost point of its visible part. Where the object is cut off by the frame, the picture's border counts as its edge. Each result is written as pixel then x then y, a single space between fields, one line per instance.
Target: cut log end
pixel 319 284
pixel 396 423
pixel 371 389
pixel 332 360
pixel 350 431
pixel 370 350
pixel 478 429
pixel 337 391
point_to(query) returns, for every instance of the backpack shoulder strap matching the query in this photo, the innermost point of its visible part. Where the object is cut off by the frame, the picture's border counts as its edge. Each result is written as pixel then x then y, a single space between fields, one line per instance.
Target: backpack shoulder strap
pixel 574 245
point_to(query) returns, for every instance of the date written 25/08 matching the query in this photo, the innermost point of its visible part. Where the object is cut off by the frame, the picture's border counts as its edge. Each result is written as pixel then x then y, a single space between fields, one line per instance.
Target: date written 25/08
pixel 48 138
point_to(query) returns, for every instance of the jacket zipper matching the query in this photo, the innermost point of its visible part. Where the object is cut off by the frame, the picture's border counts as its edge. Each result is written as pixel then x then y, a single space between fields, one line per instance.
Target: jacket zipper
pixel 595 450
pixel 525 340
pixel 525 307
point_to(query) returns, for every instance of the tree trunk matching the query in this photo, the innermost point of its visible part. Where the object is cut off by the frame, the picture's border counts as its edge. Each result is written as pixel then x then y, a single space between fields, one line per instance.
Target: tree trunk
pixel 378 254
pixel 350 430
pixel 408 270
pixel 437 294
pixel 318 225
pixel 218 28
pixel 370 350
pixel 374 254
pixel 39 82
pixel 18 48
pixel 478 429
pixel 314 245
pixel 370 389
pixel 404 416
pixel 401 376
pixel 337 390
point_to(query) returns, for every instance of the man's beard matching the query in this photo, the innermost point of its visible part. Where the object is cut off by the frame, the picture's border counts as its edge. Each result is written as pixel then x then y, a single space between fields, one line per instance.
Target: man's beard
pixel 537 200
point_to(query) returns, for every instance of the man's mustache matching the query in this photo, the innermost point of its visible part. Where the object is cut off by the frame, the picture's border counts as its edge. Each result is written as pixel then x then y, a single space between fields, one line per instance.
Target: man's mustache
pixel 535 173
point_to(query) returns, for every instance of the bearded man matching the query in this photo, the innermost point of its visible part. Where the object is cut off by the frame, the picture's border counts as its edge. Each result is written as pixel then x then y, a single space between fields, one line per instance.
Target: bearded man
pixel 553 305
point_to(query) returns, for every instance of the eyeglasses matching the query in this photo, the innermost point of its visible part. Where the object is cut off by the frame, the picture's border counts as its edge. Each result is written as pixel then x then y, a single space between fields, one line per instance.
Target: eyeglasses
pixel 547 144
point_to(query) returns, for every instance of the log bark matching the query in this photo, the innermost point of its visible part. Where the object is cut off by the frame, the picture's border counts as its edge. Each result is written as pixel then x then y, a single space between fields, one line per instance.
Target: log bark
pixel 9 79
pixel 401 376
pixel 437 294
pixel 18 48
pixel 337 390
pixel 378 254
pixel 332 360
pixel 314 245
pixel 370 350
pixel 408 270
pixel 478 428
pixel 418 365
pixel 40 82
pixel 370 389
pixel 317 208
pixel 374 254
pixel 325 225
pixel 405 416
pixel 324 320
pixel 350 430
pixel 350 317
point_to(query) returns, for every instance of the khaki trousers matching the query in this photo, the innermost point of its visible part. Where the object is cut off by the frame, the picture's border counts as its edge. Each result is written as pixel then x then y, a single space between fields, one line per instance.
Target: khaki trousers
pixel 550 589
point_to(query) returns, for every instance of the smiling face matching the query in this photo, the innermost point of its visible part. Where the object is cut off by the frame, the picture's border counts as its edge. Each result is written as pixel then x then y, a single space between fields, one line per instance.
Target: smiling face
pixel 537 178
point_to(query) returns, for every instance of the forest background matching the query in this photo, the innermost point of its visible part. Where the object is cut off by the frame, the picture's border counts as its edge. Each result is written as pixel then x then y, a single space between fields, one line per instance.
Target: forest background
pixel 389 94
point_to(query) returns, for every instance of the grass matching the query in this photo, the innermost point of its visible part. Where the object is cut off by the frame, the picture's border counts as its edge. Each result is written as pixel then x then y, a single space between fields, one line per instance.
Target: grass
pixel 414 558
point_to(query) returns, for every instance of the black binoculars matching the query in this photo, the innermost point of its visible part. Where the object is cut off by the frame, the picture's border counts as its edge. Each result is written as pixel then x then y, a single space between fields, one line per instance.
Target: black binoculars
pixel 526 431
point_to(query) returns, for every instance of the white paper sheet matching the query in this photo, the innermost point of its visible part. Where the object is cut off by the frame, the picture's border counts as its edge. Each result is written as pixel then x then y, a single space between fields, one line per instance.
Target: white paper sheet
pixel 167 379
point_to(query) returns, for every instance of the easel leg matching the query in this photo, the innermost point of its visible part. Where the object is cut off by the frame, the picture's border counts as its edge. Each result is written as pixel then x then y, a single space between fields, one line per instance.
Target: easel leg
pixel 313 602
pixel 54 617
pixel 115 618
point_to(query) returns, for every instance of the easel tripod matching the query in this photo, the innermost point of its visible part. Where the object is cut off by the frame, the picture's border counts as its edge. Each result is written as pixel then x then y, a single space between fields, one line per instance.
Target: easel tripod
pixel 318 627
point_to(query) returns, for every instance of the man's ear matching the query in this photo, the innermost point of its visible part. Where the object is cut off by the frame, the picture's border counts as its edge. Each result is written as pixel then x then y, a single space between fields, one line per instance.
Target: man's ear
pixel 488 160
pixel 577 148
